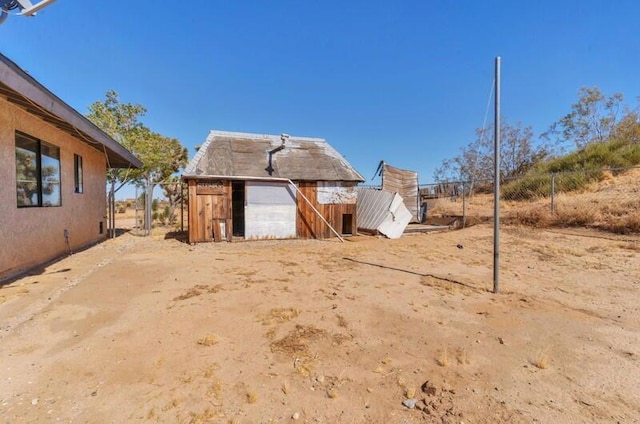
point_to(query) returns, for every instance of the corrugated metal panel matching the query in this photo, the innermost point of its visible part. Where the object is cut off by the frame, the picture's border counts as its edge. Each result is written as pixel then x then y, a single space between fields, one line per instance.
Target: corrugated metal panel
pixel 405 183
pixel 373 207
pixel 256 155
pixel 399 217
pixel 270 211
pixel 382 211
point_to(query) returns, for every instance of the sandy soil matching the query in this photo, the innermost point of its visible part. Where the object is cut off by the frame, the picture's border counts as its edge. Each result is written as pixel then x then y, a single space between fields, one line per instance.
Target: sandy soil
pixel 154 330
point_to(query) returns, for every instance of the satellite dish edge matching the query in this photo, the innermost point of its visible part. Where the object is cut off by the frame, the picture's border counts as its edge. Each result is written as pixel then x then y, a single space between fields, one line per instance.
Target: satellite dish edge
pixel 25 6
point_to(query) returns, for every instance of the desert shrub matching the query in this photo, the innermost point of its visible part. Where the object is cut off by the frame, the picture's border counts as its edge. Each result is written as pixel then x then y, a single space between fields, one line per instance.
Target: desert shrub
pixel 575 217
pixel 166 217
pixel 527 188
pixel 627 224
pixel 538 216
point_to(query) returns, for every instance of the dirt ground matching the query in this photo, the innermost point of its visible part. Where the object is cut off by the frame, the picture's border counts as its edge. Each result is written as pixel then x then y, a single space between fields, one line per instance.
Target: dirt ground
pixel 155 330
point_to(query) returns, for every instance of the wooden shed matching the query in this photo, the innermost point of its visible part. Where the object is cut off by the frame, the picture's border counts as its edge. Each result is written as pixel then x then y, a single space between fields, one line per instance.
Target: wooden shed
pixel 254 186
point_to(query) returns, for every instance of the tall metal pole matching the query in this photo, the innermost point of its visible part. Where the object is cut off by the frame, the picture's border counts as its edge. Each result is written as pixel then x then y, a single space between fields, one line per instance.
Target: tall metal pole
pixel 136 226
pixel 112 212
pixel 148 204
pixel 464 205
pixel 496 183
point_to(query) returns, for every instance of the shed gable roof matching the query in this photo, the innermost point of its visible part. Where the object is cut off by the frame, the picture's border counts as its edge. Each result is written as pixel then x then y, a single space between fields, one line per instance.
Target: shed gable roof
pixel 21 89
pixel 232 154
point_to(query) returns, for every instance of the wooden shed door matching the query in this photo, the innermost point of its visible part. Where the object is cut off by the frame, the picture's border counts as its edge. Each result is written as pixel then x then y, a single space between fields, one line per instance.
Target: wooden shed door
pixel 270 210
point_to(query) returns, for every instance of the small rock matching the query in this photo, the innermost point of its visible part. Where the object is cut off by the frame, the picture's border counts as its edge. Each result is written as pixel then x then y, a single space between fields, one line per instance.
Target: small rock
pixel 34 401
pixel 459 246
pixel 94 393
pixel 295 416
pixel 421 405
pixel 410 403
pixel 428 388
pixel 501 340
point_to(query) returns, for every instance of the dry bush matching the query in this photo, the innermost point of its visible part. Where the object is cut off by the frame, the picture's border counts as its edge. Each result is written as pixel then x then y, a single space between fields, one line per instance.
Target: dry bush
pixel 252 396
pixel 208 340
pixel 462 357
pixel 342 322
pixel 296 343
pixel 610 203
pixel 534 216
pixel 205 416
pixel 279 315
pixel 443 357
pixel 192 292
pixel 541 361
pixel 331 392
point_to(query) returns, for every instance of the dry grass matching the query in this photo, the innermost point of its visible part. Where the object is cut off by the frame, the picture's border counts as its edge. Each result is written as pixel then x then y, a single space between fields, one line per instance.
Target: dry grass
pixel 208 340
pixel 541 360
pixel 461 356
pixel 332 393
pixel 296 343
pixel 279 315
pixel 210 371
pixel 286 388
pixel 171 405
pixel 410 392
pixel 342 322
pixel 197 290
pixel 443 357
pixel 215 389
pixel 206 416
pixel 611 204
pixel 378 370
pixel 252 396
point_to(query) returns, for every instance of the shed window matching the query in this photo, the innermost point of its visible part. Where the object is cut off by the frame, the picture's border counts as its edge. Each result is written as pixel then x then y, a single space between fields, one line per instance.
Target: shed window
pixel 77 173
pixel 37 172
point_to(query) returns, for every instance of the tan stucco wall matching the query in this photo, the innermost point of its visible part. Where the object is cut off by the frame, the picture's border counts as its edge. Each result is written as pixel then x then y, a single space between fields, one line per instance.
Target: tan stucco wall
pixel 30 236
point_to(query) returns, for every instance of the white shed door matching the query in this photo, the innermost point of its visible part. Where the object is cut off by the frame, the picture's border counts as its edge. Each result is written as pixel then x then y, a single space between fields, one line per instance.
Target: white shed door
pixel 270 211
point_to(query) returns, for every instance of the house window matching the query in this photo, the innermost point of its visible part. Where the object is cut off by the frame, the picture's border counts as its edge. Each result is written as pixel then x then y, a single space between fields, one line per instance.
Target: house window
pixel 77 173
pixel 37 172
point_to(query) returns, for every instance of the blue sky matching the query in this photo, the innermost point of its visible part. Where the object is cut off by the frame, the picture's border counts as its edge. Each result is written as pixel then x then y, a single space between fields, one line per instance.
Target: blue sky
pixel 403 81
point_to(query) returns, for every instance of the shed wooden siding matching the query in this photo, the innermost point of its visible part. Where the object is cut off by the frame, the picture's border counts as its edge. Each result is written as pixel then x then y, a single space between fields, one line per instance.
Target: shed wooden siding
pixel 309 223
pixel 209 212
pixel 211 219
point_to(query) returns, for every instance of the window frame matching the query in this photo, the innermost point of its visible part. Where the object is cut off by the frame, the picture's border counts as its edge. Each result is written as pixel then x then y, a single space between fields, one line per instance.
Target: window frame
pixel 78 174
pixel 38 156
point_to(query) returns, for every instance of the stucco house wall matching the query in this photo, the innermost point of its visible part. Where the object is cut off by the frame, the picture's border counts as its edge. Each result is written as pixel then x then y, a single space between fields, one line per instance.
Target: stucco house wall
pixel 33 235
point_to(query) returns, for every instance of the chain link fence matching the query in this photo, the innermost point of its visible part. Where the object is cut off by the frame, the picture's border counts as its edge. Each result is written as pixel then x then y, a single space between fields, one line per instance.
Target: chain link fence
pixel 167 210
pixel 607 199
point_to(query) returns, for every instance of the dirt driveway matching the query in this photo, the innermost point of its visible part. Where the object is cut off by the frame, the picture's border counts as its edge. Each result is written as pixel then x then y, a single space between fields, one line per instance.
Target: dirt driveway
pixel 154 330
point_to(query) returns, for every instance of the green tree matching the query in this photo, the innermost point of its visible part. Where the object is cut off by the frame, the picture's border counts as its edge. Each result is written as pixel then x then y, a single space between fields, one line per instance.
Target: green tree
pixel 161 157
pixel 121 121
pixel 592 119
pixel 174 192
pixel 628 129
